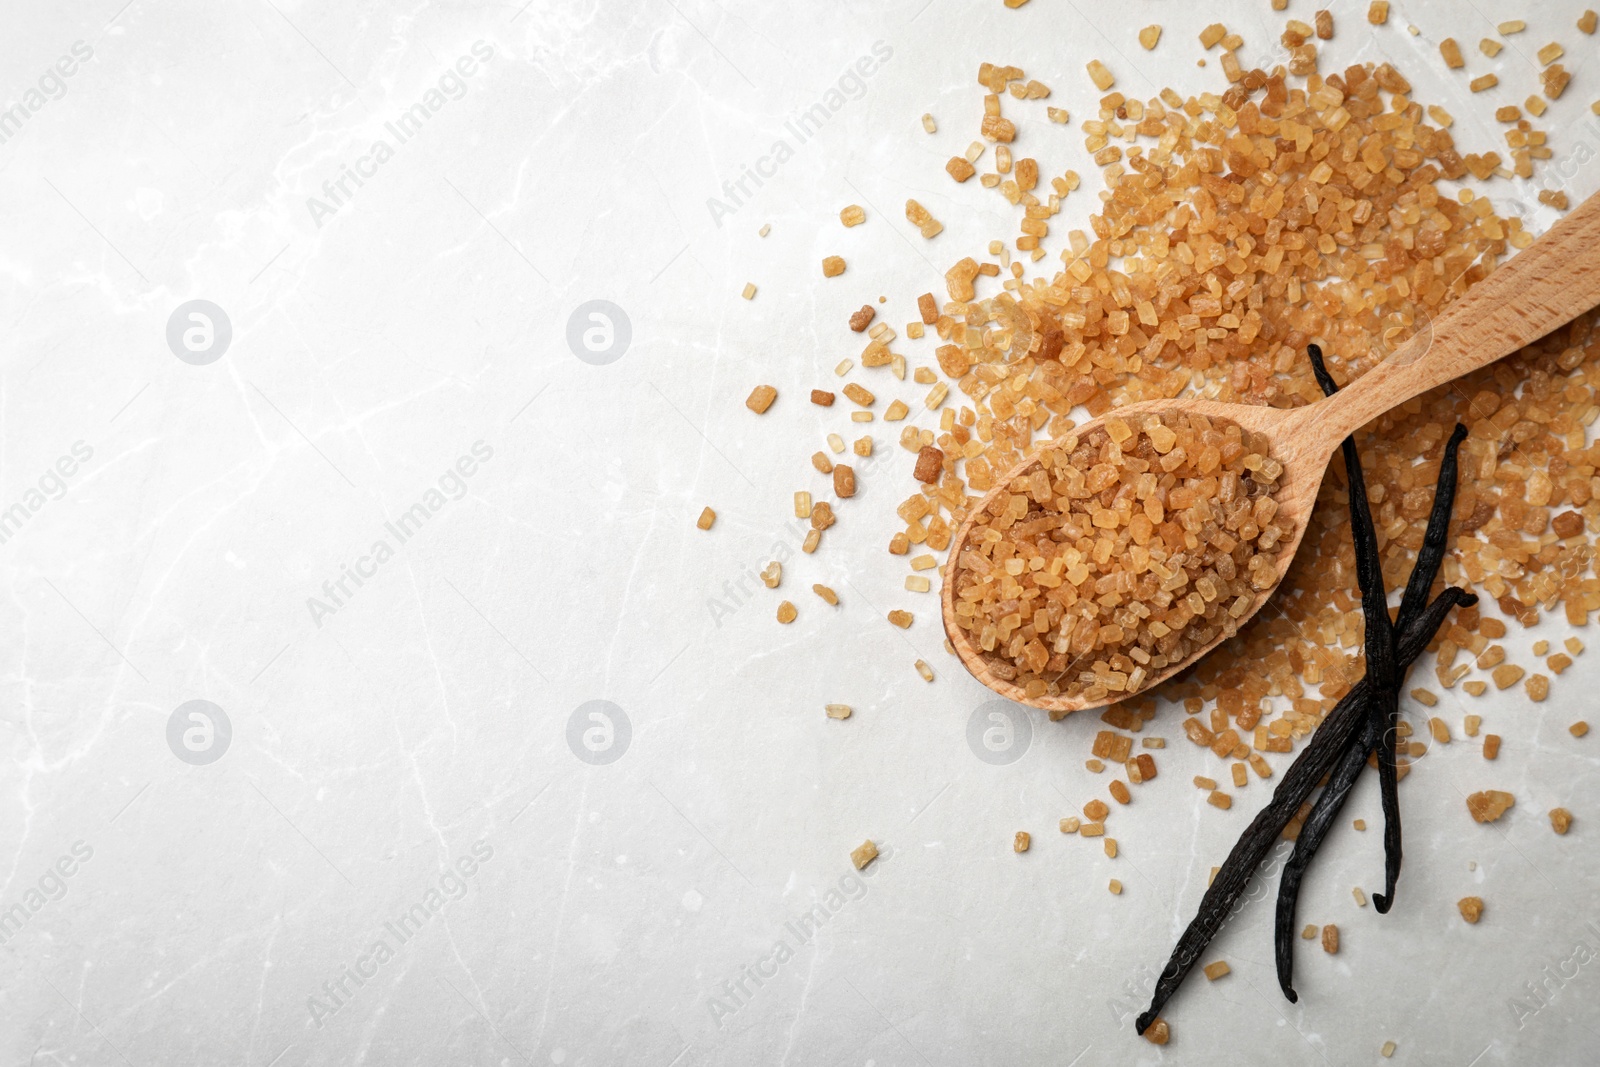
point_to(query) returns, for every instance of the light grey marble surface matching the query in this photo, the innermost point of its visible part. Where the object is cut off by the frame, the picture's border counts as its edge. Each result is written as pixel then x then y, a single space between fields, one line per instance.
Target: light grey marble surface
pixel 188 884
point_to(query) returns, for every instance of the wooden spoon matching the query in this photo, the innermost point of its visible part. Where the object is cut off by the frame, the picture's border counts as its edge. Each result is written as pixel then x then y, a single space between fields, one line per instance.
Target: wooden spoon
pixel 1540 289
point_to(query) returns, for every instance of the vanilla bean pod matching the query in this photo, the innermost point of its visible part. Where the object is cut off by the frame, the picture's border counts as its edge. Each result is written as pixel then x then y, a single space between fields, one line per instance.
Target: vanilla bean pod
pixel 1346 732
pixel 1320 755
pixel 1331 801
pixel 1384 702
pixel 1436 539
pixel 1352 761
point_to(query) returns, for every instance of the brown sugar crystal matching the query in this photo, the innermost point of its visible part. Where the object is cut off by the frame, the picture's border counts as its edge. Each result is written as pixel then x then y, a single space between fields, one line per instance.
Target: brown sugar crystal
pixel 999 129
pixel 959 169
pixel 761 398
pixel 1489 805
pixel 930 461
pixel 860 395
pixel 1110 745
pixel 844 481
pixel 1167 536
pixel 922 219
pixel 1567 524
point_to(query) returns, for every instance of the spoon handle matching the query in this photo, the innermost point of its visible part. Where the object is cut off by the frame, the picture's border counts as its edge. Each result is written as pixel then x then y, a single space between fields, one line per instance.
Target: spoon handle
pixel 1540 289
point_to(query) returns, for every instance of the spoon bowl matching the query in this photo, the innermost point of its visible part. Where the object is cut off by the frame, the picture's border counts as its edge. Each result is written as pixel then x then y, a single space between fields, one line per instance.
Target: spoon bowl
pixel 1542 288
pixel 1296 494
